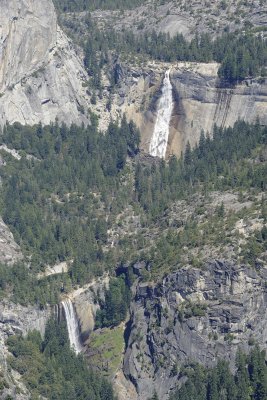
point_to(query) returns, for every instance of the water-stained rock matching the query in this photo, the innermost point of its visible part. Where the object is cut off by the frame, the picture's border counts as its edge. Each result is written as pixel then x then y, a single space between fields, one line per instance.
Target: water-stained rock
pixel 193 314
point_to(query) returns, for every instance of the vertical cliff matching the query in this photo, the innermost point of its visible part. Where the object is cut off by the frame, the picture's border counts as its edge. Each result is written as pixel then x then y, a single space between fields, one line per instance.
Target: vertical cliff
pixel 193 315
pixel 41 76
pixel 200 101
pixel 17 320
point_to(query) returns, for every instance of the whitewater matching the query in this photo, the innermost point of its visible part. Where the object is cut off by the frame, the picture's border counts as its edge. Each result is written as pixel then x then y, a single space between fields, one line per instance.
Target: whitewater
pixel 159 141
pixel 72 325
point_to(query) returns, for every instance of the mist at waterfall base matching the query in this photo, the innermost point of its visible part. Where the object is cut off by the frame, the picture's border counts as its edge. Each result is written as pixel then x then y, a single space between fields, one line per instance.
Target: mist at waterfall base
pixel 159 141
pixel 72 325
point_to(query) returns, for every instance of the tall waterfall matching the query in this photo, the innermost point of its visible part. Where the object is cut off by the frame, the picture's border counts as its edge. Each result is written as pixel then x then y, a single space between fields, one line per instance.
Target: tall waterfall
pixel 159 141
pixel 72 325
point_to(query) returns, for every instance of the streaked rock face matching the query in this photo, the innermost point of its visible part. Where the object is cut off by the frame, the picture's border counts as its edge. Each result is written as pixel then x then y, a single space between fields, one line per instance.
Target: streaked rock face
pixel 194 314
pixel 41 79
pixel 199 101
pixel 41 75
pixel 28 31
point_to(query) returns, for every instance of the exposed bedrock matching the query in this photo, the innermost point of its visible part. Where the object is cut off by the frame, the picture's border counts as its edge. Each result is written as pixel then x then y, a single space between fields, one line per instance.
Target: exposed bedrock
pixel 41 75
pixel 194 314
pixel 42 78
pixel 199 101
pixel 18 320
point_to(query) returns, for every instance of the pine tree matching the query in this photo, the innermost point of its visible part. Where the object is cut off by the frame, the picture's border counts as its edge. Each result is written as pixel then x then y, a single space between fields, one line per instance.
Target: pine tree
pixel 187 154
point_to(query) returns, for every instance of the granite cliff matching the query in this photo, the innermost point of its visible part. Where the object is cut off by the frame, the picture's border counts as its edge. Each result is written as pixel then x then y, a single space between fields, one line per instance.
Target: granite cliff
pixel 198 314
pixel 193 314
pixel 199 100
pixel 188 18
pixel 42 78
pixel 41 74
pixel 17 320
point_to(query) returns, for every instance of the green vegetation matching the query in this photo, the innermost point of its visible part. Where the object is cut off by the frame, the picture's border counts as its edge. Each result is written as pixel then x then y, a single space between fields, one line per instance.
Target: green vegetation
pixel 27 289
pixel 60 203
pixel 84 5
pixel 51 202
pixel 71 185
pixel 52 370
pixel 190 242
pixel 190 309
pixel 3 383
pixel 106 349
pixel 114 309
pixel 221 164
pixel 257 245
pixel 248 383
pixel 56 202
pixel 242 55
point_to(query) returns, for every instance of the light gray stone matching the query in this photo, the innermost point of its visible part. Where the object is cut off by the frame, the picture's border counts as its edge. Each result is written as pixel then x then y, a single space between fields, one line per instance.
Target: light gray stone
pixel 41 75
pixel 163 336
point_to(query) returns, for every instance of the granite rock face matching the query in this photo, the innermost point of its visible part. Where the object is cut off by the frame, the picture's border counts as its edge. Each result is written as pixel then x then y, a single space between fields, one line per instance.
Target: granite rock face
pixel 194 314
pixel 86 303
pixel 187 18
pixel 42 78
pixel 200 101
pixel 41 75
pixel 9 250
pixel 16 319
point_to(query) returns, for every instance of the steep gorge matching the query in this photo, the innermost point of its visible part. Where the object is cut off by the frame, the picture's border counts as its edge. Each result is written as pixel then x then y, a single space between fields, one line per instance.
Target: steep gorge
pixel 197 313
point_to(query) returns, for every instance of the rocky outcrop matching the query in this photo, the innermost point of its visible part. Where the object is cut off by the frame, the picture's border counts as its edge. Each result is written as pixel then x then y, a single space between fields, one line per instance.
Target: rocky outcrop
pixel 41 76
pixel 194 314
pixel 86 303
pixel 9 250
pixel 42 79
pixel 16 319
pixel 183 17
pixel 200 101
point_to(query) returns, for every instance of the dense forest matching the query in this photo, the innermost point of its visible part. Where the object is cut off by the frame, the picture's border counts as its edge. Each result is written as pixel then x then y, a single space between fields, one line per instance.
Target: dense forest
pixel 114 308
pixel 51 369
pixel 52 196
pixel 249 382
pixel 55 198
pixel 27 289
pixel 69 190
pixel 223 156
pixel 242 55
pixel 85 5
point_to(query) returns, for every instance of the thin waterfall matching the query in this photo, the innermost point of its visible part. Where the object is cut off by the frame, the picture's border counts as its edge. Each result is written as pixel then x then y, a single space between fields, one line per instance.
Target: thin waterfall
pixel 72 325
pixel 159 141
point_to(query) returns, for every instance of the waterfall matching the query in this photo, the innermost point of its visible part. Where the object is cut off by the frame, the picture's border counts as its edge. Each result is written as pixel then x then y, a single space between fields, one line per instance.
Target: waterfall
pixel 159 141
pixel 72 325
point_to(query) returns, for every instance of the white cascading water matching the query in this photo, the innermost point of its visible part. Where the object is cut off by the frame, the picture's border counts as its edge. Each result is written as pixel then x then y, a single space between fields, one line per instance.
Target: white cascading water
pixel 72 325
pixel 159 141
